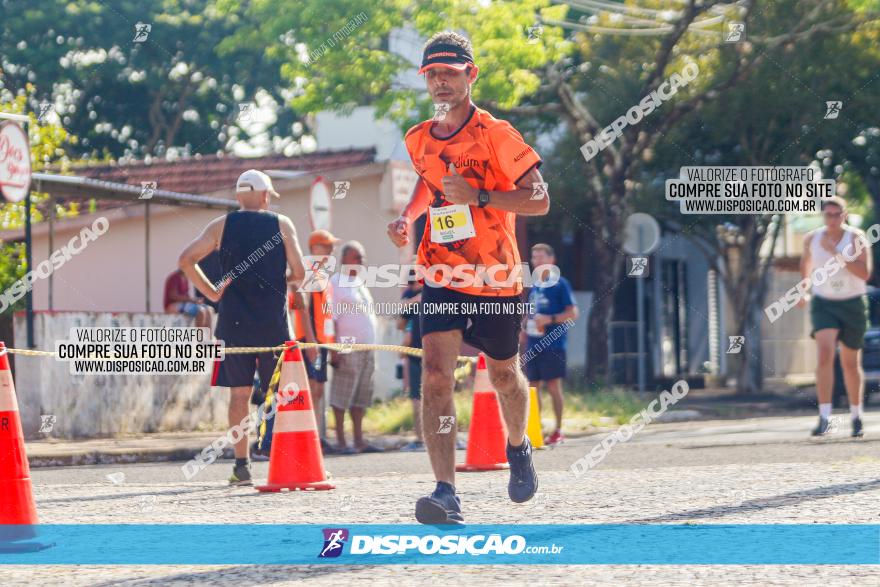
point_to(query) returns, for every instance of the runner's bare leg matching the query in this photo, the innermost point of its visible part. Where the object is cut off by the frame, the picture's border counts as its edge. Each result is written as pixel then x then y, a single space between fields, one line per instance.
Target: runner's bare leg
pixel 417 419
pixel 826 340
pixel 853 374
pixel 317 389
pixel 438 382
pixel 554 388
pixel 339 418
pixel 357 419
pixel 513 393
pixel 239 400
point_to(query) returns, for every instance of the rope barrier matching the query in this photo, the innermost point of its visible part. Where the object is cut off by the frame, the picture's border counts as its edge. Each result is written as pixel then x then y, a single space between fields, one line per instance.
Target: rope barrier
pixel 30 353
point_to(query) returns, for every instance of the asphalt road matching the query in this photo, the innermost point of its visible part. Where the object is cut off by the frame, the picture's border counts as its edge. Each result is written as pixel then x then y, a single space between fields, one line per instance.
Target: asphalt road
pixel 764 470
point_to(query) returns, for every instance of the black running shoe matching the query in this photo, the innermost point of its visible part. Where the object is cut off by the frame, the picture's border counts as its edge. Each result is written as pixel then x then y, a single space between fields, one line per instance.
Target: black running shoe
pixel 822 428
pixel 857 431
pixel 241 476
pixel 523 479
pixel 258 454
pixel 441 507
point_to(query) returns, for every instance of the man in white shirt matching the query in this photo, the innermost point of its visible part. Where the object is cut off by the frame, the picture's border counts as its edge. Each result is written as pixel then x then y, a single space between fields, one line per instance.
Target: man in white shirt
pixel 837 260
pixel 352 384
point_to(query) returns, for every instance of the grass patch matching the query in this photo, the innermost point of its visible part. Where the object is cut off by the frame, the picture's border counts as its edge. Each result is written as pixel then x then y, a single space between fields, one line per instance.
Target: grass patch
pixel 395 416
pixel 584 410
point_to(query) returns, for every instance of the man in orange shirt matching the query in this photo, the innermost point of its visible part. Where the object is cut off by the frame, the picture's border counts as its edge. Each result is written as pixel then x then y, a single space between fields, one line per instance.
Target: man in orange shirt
pixel 309 303
pixel 475 175
pixel 319 299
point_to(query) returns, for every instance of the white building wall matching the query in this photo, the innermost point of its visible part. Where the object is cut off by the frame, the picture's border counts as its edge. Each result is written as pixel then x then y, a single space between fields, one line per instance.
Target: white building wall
pixel 109 274
pixel 358 130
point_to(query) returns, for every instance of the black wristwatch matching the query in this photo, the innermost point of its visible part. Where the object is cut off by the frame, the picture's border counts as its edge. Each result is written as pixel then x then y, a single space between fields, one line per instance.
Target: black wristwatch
pixel 483 198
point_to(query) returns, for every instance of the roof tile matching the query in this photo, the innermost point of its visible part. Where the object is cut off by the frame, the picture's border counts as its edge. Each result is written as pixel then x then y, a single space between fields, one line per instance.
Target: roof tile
pixel 208 173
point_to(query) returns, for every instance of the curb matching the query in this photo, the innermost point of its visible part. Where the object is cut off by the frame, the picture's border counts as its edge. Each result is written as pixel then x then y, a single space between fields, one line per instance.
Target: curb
pixel 76 459
pixel 114 456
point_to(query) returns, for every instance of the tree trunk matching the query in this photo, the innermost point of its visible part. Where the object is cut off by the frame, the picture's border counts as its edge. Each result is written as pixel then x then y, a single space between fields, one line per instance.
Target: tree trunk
pixel 750 281
pixel 605 257
pixel 749 378
pixel 597 335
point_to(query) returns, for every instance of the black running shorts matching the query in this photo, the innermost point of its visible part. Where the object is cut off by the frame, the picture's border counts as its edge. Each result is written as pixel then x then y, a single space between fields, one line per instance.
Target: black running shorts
pixel 491 324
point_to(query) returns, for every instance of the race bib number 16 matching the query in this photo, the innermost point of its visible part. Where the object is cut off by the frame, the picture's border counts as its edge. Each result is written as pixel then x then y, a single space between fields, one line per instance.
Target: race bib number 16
pixel 451 223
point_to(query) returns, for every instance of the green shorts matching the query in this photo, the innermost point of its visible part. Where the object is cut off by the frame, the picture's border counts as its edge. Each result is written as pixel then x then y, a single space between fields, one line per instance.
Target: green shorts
pixel 850 317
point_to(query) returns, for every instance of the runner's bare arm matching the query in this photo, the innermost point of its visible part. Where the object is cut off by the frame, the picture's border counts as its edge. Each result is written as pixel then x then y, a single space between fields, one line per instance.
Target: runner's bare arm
pixel 805 267
pixel 862 265
pixel 203 245
pixel 569 313
pixel 525 201
pixel 523 336
pixel 805 256
pixel 398 230
pixel 291 249
pixel 418 201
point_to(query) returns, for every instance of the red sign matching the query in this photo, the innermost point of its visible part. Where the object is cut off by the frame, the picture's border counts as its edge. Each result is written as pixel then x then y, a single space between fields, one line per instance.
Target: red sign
pixel 15 162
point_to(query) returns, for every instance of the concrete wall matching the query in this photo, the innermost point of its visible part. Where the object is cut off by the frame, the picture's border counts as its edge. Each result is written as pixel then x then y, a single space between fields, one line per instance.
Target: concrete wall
pixel 786 347
pixel 577 336
pixel 357 130
pixel 89 406
pixel 362 215
pixel 108 405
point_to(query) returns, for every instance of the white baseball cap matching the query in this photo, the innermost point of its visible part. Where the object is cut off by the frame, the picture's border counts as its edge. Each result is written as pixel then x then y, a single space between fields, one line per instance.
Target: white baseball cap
pixel 255 181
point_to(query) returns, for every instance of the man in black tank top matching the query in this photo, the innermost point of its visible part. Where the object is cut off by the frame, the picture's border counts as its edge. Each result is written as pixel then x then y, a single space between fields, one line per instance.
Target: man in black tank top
pixel 254 249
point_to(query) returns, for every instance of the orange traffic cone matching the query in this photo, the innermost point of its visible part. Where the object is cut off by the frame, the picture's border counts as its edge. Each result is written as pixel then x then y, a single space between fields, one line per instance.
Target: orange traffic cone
pixel 295 459
pixel 487 436
pixel 18 512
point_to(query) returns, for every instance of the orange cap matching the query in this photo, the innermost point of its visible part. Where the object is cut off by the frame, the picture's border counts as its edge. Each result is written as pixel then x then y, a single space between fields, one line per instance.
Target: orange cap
pixel 322 237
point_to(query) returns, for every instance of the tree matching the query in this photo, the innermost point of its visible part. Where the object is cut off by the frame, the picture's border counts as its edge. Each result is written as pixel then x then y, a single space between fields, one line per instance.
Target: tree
pixel 631 69
pixel 336 55
pixel 779 121
pixel 47 148
pixel 169 91
pixel 570 72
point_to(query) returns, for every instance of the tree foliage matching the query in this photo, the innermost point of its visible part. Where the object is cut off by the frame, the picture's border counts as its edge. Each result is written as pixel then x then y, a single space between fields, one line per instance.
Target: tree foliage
pixel 47 142
pixel 170 92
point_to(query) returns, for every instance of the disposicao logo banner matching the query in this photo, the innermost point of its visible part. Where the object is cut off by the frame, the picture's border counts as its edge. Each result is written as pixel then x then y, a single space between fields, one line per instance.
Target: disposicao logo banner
pixel 635 544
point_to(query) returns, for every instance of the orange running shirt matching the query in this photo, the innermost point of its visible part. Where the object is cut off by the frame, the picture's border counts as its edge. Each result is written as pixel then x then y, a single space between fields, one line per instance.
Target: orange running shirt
pixel 490 154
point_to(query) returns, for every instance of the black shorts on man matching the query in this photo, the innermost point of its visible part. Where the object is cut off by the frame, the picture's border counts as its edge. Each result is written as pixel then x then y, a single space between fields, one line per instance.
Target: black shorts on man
pixel 491 324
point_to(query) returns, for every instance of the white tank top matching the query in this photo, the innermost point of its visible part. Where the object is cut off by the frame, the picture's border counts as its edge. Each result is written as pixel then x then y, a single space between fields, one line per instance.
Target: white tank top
pixel 842 285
